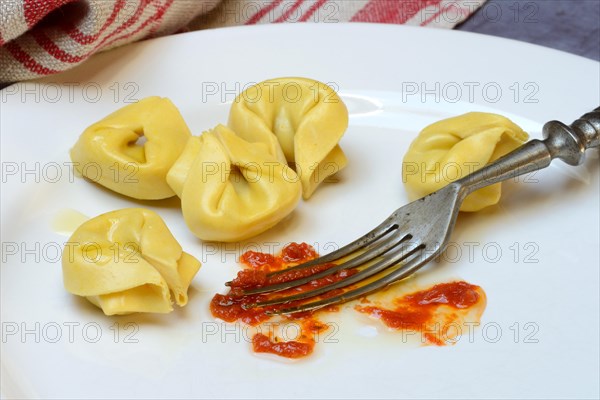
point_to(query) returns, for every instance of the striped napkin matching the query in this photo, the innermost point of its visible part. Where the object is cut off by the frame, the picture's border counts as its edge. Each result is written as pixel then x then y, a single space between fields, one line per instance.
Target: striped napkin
pixel 44 37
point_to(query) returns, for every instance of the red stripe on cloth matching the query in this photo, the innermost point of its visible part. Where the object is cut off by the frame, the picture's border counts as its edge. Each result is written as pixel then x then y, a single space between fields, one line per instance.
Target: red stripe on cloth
pixel 55 51
pixel 289 11
pixel 312 10
pixel 391 11
pixel 47 44
pixel 81 37
pixel 158 21
pixel 262 12
pixel 26 60
pixel 441 11
pixel 51 48
pixel 1 40
pixel 35 10
pixel 128 23
pixel 156 17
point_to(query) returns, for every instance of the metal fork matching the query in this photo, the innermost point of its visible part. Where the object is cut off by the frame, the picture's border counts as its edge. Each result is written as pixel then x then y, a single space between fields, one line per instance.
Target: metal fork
pixel 418 232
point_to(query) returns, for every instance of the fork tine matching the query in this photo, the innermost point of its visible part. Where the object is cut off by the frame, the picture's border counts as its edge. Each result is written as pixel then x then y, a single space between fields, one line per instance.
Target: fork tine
pixel 407 269
pixel 396 256
pixel 375 234
pixel 382 248
pixel 362 242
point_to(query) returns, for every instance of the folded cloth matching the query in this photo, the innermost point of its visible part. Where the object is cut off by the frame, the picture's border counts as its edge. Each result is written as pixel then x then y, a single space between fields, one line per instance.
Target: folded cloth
pixel 44 37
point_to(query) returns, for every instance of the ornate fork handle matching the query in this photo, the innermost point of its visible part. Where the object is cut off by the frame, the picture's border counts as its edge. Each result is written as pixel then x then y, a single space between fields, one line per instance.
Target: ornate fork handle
pixel 567 142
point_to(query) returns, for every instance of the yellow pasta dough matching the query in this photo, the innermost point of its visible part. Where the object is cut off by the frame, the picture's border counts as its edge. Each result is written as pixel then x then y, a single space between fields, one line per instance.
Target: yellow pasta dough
pixel 300 120
pixel 128 261
pixel 231 189
pixel 109 152
pixel 452 148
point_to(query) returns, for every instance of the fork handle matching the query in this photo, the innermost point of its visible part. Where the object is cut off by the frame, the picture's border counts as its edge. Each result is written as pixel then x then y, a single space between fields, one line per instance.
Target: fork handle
pixel 567 142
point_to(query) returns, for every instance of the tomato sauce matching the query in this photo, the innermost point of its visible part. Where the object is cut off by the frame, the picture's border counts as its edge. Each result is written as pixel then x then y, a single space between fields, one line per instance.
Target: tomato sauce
pixel 233 306
pixel 302 347
pixel 291 349
pixel 439 305
pixel 415 311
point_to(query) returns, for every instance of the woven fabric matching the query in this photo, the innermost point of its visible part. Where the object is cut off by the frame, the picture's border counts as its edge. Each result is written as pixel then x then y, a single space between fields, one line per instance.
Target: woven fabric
pixel 44 37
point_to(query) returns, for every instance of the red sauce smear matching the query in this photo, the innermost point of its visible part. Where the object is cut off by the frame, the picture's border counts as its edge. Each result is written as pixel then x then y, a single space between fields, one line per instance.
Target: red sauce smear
pixel 414 311
pixel 261 343
pixel 420 311
pixel 290 349
pixel 230 307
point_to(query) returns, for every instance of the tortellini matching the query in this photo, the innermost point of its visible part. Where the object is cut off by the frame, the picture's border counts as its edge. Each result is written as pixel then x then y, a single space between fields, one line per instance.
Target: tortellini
pixel 452 148
pixel 231 189
pixel 128 261
pixel 300 121
pixel 110 151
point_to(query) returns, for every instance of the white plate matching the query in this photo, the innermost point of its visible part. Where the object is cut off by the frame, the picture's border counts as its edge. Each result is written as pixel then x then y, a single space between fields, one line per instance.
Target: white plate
pixel 536 255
